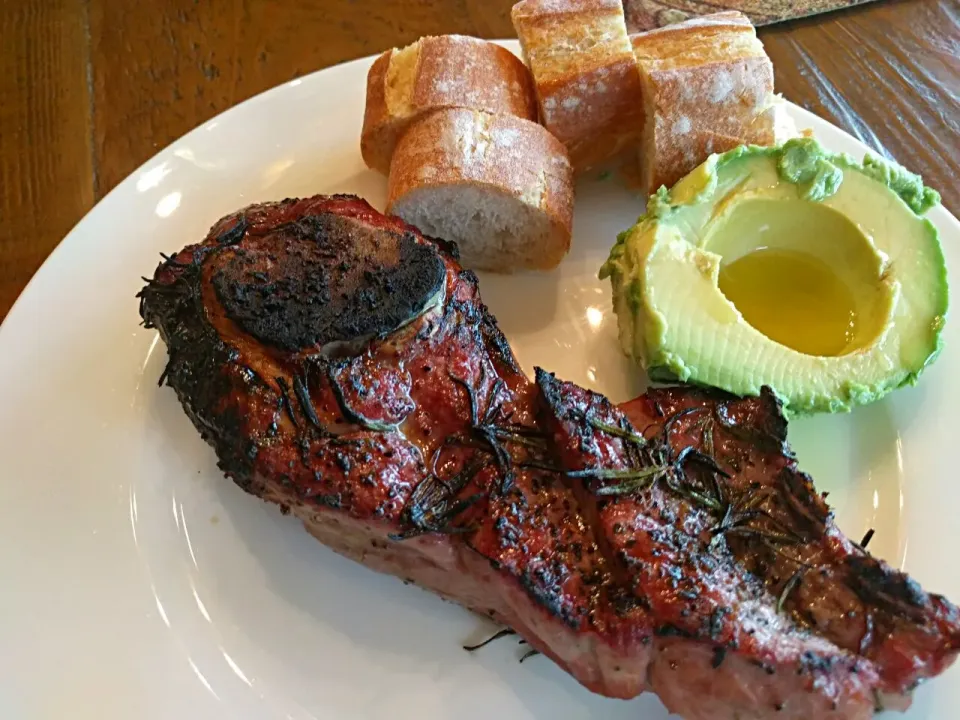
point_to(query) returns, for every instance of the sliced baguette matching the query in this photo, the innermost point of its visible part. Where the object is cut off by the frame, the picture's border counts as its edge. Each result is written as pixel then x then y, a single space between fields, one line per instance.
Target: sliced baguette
pixel 439 72
pixel 707 88
pixel 499 186
pixel 586 77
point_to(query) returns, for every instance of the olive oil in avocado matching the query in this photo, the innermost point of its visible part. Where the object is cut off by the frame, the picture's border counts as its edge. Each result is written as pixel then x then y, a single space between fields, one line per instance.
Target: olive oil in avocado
pixel 794 298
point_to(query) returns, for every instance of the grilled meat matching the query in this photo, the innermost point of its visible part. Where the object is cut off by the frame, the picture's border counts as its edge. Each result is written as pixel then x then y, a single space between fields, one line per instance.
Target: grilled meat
pixel 344 367
pixel 699 505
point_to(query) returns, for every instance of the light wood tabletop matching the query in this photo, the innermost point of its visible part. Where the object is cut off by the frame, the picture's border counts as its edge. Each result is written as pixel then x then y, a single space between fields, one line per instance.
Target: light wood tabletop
pixel 90 89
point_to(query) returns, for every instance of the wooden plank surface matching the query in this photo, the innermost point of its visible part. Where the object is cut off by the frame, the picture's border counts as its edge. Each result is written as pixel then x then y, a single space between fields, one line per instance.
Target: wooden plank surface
pixel 889 72
pixel 46 169
pixel 183 62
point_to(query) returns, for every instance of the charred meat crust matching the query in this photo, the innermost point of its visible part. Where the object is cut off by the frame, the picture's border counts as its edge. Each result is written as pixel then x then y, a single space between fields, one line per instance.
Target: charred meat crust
pixel 745 504
pixel 316 280
pixel 668 542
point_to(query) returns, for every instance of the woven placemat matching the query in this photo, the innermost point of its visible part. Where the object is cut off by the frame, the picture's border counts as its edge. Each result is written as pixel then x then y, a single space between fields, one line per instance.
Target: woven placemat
pixel 648 14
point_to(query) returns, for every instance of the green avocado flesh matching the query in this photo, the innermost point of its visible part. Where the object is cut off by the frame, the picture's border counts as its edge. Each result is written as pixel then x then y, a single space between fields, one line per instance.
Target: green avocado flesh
pixel 790 267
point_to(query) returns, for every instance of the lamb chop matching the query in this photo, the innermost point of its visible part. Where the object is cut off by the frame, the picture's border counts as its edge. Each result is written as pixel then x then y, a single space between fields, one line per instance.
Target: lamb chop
pixel 343 366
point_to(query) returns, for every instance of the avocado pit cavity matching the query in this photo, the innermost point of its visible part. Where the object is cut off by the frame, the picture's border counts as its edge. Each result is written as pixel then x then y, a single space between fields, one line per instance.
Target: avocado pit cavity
pixel 802 274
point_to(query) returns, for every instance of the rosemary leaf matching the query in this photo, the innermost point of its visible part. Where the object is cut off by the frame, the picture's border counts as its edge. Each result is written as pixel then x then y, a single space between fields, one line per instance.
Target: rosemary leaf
pixel 529 654
pixel 499 634
pixel 627 488
pixel 776 537
pixel 514 437
pixel 616 474
pixel 708 427
pixel 619 432
pixel 788 588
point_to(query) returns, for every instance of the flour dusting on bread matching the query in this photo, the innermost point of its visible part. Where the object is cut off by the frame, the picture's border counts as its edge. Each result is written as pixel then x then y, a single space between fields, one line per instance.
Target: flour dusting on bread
pixel 707 88
pixel 586 78
pixel 481 147
pixel 449 71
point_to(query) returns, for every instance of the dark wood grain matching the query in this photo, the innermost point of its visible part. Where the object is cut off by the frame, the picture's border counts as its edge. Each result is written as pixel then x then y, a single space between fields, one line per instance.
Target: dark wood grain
pixel 184 62
pixel 46 169
pixel 649 14
pixel 888 72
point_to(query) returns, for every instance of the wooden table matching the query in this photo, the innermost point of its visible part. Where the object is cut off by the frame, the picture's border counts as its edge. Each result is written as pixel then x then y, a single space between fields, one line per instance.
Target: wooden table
pixel 90 89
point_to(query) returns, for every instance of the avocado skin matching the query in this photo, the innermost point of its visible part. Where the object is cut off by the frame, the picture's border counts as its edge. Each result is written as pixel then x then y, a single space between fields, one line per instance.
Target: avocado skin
pixel 818 175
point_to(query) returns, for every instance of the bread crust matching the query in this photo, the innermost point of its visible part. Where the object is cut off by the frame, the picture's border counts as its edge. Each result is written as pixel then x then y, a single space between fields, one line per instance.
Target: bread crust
pixel 498 154
pixel 587 82
pixel 376 118
pixel 708 88
pixel 449 71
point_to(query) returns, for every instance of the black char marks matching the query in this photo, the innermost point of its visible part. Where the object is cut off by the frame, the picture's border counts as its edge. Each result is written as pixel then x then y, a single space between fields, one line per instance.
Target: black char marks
pixel 323 278
pixel 708 613
pixel 781 530
pixel 427 434
pixel 344 367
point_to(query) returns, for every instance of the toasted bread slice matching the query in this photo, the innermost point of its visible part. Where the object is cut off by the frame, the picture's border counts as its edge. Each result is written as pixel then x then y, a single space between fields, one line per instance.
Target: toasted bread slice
pixel 499 186
pixel 707 88
pixel 439 72
pixel 587 82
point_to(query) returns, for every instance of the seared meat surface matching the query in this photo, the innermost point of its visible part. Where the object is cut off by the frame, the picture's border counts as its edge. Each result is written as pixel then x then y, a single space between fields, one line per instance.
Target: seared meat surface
pixel 704 515
pixel 344 367
pixel 780 530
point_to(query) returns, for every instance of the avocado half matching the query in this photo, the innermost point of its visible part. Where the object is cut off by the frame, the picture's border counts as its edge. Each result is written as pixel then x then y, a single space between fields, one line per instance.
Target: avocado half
pixel 864 219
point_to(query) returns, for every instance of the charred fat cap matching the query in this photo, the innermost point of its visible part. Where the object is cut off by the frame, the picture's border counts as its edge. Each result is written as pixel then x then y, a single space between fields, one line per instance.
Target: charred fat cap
pixel 326 280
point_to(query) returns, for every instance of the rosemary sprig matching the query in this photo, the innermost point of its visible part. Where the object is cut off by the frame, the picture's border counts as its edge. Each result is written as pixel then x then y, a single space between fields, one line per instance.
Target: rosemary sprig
pixel 523 430
pixel 746 509
pixel 638 483
pixel 653 466
pixel 676 417
pixel 433 508
pixel 691 454
pixel 511 435
pixel 434 520
pixel 623 433
pixel 690 493
pixel 471 397
pixel 708 427
pixel 503 459
pixel 782 538
pixel 306 403
pixel 496 636
pixel 490 434
pixel 614 473
pixel 529 654
pixel 790 585
pixel 286 400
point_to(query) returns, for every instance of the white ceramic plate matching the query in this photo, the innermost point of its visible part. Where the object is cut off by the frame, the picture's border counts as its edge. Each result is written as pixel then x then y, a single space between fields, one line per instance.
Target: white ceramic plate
pixel 136 582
